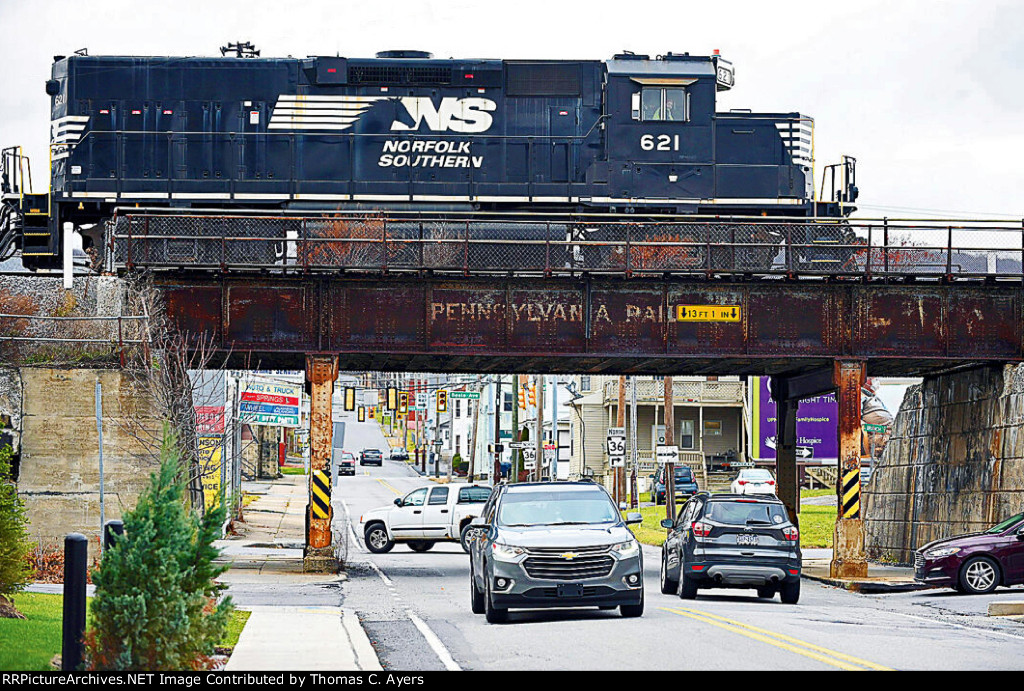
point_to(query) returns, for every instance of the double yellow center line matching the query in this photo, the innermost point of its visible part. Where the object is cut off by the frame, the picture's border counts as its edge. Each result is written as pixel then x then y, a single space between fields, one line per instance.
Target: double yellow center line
pixel 383 482
pixel 793 645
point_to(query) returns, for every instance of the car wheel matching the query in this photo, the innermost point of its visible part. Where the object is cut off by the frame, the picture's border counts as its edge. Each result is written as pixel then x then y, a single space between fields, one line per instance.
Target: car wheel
pixel 464 538
pixel 687 587
pixel 766 591
pixel 790 592
pixel 493 614
pixel 979 575
pixel 421 545
pixel 476 598
pixel 668 586
pixel 377 540
pixel 631 611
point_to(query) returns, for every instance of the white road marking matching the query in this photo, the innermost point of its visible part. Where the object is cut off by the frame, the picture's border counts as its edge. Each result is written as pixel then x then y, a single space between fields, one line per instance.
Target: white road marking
pixel 939 622
pixel 435 643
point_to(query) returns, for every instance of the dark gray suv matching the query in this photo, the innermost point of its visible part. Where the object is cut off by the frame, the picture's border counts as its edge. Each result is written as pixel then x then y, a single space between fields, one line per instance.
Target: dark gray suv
pixel 732 541
pixel 554 544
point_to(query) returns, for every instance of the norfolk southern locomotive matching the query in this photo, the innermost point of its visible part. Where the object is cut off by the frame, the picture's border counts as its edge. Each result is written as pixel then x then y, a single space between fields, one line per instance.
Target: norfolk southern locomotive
pixel 405 131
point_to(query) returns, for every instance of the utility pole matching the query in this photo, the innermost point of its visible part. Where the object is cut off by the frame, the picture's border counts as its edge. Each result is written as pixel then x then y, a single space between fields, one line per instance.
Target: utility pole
pixel 554 426
pixel 620 421
pixel 476 426
pixel 634 499
pixel 670 436
pixel 539 442
pixel 516 456
pixel 497 431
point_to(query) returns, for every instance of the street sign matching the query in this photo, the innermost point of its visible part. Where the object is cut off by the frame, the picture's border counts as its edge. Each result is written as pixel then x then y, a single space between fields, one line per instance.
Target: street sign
pixel 519 445
pixel 667 454
pixel 421 400
pixel 472 395
pixel 549 452
pixel 708 313
pixel 529 458
pixel 877 429
pixel 617 446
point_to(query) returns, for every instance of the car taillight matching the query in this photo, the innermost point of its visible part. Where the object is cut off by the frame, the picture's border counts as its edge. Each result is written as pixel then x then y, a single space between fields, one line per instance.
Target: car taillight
pixel 701 529
pixel 791 533
pixel 771 482
pixel 741 482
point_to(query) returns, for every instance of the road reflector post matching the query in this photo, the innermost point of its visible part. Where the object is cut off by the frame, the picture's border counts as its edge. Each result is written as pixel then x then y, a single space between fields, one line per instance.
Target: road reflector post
pixel 76 557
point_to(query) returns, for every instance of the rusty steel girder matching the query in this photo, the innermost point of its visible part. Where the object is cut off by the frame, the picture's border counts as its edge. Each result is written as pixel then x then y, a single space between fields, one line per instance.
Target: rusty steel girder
pixel 321 371
pixel 582 325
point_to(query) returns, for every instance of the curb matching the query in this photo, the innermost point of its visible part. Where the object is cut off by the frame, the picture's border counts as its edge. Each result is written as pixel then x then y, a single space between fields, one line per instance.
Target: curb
pixel 869 587
pixel 365 655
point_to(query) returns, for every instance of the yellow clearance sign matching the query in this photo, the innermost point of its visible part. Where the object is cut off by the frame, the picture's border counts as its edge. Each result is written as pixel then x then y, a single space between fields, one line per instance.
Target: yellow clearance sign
pixel 708 313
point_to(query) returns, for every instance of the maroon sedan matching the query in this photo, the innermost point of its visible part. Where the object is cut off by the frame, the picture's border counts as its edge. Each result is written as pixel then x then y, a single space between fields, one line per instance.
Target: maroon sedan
pixel 975 563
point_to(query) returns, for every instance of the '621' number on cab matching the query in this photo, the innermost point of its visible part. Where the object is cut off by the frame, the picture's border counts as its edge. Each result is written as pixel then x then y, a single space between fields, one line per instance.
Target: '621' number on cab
pixel 659 142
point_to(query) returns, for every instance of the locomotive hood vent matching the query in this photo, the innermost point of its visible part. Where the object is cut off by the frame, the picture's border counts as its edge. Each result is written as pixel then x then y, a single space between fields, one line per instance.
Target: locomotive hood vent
pixel 406 54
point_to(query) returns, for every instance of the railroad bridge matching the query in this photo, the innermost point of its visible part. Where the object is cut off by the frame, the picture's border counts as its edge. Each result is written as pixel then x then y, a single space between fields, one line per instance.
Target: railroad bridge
pixel 752 296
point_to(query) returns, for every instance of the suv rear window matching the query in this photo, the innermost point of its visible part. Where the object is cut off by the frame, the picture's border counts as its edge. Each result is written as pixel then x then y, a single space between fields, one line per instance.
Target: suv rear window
pixel 474 495
pixel 745 513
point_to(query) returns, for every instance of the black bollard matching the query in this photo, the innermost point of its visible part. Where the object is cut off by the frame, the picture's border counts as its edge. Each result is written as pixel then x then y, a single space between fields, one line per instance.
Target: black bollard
pixel 76 558
pixel 111 529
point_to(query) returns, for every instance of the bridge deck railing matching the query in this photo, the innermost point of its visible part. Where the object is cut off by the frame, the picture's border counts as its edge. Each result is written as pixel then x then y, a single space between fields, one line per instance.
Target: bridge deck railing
pixel 699 247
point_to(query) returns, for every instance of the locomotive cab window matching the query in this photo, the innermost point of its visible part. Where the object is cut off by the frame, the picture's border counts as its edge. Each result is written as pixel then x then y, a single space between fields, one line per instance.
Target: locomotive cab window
pixel 664 105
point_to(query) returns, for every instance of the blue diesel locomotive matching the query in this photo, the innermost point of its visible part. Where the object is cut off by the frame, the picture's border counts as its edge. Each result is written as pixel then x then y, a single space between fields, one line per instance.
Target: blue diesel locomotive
pixel 404 131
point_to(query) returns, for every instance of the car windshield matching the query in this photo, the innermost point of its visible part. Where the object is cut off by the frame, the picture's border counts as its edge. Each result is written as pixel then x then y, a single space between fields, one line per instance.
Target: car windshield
pixel 1005 524
pixel 746 513
pixel 556 507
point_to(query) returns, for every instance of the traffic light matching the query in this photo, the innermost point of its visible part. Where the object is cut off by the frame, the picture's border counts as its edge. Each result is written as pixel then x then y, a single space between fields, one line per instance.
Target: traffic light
pixel 362 414
pixel 533 393
pixel 350 398
pixel 373 412
pixel 442 401
pixel 403 402
pixel 392 398
pixel 522 397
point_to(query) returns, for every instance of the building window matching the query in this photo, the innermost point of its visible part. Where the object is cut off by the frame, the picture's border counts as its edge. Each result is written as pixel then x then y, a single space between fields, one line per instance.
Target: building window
pixel 664 105
pixel 712 428
pixel 686 434
pixel 458 407
pixel 458 444
pixel 584 383
pixel 508 402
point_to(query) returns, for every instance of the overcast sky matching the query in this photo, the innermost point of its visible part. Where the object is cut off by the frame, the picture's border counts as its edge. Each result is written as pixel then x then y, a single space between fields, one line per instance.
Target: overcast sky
pixel 928 96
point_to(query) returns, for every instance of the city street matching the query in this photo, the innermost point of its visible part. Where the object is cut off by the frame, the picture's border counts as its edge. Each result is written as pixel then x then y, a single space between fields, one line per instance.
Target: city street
pixel 415 609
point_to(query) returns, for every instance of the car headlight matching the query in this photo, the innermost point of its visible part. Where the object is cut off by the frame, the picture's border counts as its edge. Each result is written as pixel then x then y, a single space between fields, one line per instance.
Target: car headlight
pixel 627 549
pixel 506 552
pixel 941 552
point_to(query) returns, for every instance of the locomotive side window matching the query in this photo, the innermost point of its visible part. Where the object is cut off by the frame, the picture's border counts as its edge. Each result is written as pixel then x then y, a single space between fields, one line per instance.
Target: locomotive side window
pixel 664 105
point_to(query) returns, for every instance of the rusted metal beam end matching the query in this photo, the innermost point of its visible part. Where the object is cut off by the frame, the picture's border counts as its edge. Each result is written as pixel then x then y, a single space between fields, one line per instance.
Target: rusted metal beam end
pixel 848 559
pixel 785 456
pixel 321 371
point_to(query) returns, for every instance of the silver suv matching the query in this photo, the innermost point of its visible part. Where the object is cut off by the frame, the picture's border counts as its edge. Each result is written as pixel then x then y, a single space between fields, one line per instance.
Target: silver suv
pixel 554 544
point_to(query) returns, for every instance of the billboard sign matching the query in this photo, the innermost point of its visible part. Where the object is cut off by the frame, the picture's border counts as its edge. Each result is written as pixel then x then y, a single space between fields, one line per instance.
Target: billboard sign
pixel 816 425
pixel 270 403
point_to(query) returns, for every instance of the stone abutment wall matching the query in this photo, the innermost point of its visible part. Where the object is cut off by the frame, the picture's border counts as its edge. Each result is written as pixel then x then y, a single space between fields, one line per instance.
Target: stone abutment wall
pixel 954 462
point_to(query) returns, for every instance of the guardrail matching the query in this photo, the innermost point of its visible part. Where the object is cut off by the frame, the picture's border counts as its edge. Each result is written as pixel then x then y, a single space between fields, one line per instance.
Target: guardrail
pixel 551 245
pixel 683 392
pixel 36 338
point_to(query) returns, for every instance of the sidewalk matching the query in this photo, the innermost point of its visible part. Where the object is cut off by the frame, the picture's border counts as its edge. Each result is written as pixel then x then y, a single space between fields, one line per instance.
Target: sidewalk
pixel 268 551
pixel 881 578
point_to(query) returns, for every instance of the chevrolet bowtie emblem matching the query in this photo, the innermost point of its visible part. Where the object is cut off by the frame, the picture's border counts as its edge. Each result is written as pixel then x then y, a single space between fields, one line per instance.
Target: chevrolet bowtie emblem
pixel 569 555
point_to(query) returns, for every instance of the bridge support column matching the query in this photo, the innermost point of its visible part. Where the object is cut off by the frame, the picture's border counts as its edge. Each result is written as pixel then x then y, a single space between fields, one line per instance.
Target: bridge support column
pixel 785 448
pixel 319 556
pixel 848 559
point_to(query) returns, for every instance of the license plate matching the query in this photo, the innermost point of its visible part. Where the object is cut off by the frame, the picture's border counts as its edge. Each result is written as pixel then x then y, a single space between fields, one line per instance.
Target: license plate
pixel 570 590
pixel 746 539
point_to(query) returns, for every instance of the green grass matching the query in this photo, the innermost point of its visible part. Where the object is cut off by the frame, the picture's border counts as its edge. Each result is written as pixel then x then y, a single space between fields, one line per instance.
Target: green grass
pixel 292 471
pixel 804 493
pixel 29 644
pixel 235 625
pixel 817 524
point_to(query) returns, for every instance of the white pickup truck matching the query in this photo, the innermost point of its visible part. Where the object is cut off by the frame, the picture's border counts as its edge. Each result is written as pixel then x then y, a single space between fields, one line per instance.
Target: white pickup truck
pixel 425 516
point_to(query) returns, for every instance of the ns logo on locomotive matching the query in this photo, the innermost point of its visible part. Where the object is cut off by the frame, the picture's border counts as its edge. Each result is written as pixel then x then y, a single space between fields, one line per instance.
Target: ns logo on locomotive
pixel 403 131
